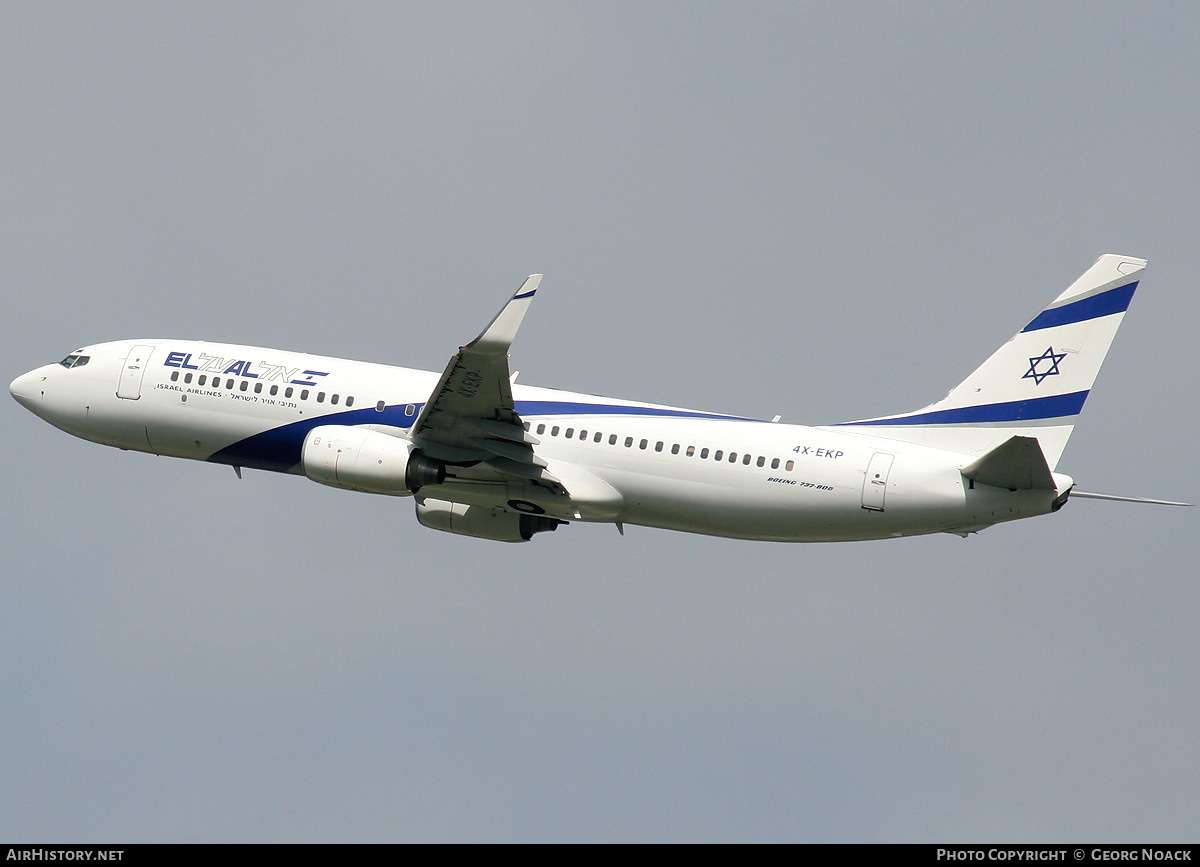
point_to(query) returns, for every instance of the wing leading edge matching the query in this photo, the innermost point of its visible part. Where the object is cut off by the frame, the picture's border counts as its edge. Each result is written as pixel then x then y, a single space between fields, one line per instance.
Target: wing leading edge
pixel 470 416
pixel 471 425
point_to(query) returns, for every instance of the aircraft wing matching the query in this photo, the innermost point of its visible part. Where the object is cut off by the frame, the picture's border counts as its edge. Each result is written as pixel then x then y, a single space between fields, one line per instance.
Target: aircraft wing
pixel 470 416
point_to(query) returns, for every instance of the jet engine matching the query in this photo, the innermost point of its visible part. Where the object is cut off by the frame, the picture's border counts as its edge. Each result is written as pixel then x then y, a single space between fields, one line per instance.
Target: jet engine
pixel 360 459
pixel 482 522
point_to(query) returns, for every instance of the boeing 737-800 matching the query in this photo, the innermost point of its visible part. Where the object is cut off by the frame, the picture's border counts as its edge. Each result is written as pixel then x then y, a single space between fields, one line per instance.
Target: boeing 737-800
pixel 484 457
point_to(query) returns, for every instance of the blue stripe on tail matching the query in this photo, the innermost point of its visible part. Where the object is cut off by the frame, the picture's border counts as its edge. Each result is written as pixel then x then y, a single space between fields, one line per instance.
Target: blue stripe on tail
pixel 1105 304
pixel 1034 409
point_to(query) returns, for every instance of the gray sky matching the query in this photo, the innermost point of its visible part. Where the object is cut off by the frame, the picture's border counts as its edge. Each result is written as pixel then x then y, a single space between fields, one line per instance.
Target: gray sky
pixel 825 211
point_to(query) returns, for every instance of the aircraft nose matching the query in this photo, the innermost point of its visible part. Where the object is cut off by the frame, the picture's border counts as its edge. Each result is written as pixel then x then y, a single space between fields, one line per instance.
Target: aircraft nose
pixel 25 389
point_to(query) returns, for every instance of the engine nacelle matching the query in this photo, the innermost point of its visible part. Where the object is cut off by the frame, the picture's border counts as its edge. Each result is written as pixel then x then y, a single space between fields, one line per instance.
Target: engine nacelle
pixel 482 522
pixel 359 459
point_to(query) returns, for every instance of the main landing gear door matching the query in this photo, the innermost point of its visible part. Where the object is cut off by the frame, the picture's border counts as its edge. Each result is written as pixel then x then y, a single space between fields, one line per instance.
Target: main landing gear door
pixel 130 386
pixel 875 484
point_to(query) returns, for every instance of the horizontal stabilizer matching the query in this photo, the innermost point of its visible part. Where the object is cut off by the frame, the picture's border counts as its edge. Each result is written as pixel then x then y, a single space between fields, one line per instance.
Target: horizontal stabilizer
pixel 1017 464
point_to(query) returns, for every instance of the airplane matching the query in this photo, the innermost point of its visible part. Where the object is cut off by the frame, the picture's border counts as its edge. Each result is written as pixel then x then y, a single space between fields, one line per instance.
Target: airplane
pixel 487 458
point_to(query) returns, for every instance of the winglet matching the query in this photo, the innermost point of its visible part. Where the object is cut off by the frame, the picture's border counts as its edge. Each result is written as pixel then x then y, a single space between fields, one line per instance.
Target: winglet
pixel 498 336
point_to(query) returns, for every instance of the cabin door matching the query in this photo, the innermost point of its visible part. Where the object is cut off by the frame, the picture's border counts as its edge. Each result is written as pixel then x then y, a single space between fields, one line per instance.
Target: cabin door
pixel 130 386
pixel 875 484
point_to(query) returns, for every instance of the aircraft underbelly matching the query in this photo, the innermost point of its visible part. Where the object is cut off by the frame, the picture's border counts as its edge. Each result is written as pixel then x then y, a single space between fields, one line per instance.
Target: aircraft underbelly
pixel 746 512
pixel 920 499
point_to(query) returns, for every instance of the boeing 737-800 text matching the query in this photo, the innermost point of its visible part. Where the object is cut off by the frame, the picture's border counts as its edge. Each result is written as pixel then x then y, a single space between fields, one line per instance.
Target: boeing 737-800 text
pixel 487 458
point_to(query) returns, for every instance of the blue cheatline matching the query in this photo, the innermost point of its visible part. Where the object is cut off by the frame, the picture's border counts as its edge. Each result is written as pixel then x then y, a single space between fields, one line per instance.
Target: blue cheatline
pixel 279 448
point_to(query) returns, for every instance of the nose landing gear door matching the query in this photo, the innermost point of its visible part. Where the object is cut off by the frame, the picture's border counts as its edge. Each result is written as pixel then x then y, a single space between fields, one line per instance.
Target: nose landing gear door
pixel 130 385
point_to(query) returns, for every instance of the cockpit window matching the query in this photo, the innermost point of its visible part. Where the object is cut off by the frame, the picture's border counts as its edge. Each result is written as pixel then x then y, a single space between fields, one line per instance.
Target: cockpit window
pixel 75 360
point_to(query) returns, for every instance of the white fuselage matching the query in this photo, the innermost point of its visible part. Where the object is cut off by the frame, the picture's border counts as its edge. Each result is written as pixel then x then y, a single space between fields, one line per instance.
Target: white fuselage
pixel 672 468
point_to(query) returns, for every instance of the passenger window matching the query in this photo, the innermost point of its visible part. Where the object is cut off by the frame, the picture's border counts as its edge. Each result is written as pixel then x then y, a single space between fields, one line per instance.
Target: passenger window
pixel 229 384
pixel 541 428
pixel 733 457
pixel 174 376
pixel 703 453
pixel 691 451
pixel 258 388
pixel 304 394
pixel 187 377
pixel 788 466
pixel 570 432
pixel 245 383
pixel 203 379
pixel 274 390
pixel 350 400
pixel 379 405
pixel 287 392
pixel 583 434
pixel 658 446
pixel 718 454
pixel 334 399
pixel 675 449
pixel 775 463
pixel 599 436
pixel 410 410
pixel 526 427
pixel 554 431
pixel 628 442
pixel 746 458
pixel 612 439
pixel 643 444
pixel 320 397
pixel 761 461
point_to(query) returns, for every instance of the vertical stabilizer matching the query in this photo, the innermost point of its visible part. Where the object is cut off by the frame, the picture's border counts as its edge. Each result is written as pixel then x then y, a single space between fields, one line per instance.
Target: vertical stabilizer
pixel 1035 384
